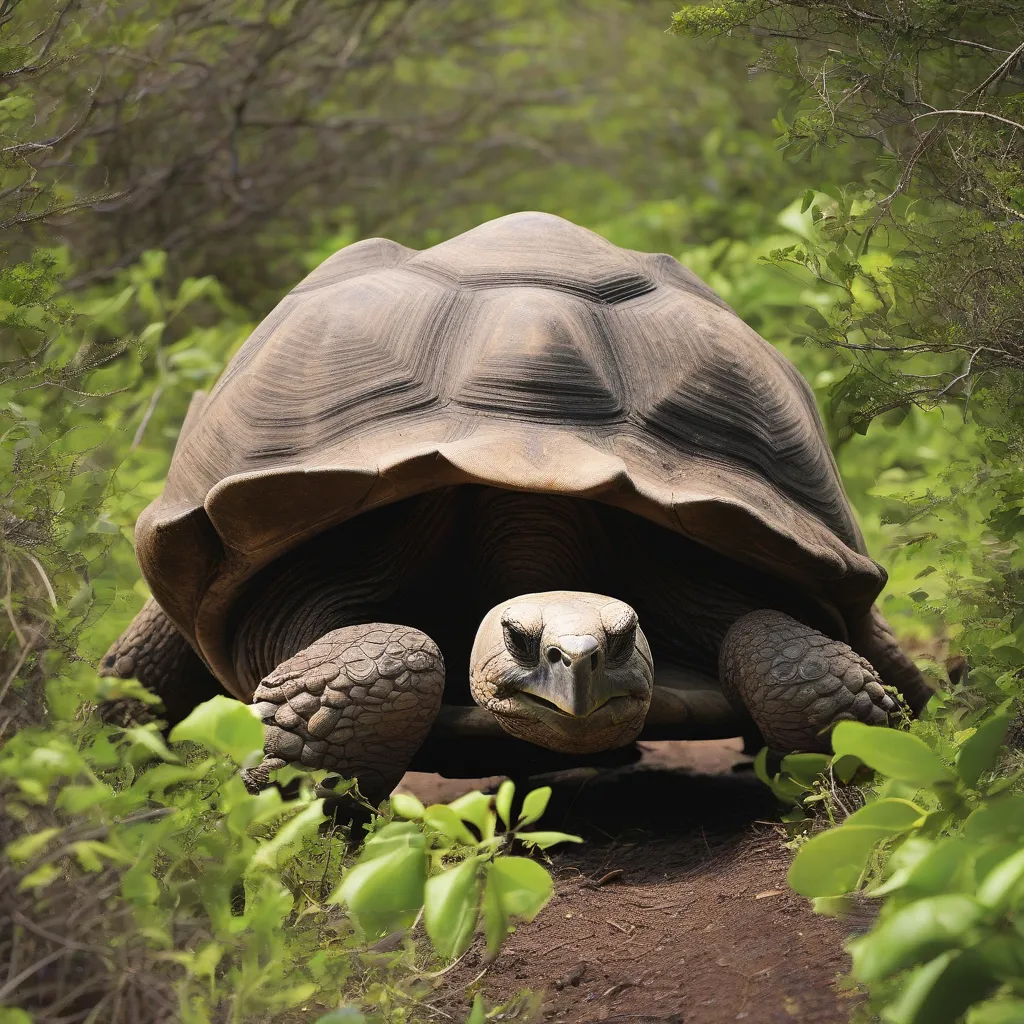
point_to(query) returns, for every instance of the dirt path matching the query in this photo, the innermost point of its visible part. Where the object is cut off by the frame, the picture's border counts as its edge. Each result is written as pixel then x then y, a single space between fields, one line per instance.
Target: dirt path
pixel 699 925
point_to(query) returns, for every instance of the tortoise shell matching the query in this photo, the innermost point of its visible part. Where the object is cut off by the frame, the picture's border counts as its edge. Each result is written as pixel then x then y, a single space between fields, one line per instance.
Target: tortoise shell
pixel 529 354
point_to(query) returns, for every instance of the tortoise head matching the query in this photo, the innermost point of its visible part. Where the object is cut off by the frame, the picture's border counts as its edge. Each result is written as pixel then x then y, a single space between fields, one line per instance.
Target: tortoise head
pixel 566 670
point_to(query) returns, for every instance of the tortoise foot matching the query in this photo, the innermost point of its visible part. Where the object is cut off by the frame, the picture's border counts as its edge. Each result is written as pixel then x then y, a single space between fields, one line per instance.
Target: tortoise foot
pixel 124 712
pixel 359 701
pixel 796 683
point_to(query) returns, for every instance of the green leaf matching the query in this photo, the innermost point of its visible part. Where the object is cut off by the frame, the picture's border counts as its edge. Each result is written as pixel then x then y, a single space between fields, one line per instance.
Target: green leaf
pixel 892 813
pixel 999 818
pixel 149 739
pixel 1003 952
pixel 761 766
pixel 546 839
pixel 928 870
pixel 914 934
pixel 276 852
pixel 503 802
pixel 75 798
pixel 789 790
pixel 831 863
pixel 477 1015
pixel 40 878
pixel 1001 883
pixel 395 835
pixel 998 1011
pixel 450 907
pixel 495 917
pixel 940 992
pixel 806 768
pixel 405 805
pixel 223 725
pixel 478 809
pixel 25 848
pixel 516 887
pixel 205 959
pixel 981 750
pixel 534 805
pixel 384 891
pixel 446 821
pixel 139 886
pixel 891 752
pixel 12 1015
pixel 523 886
pixel 832 906
pixel 157 780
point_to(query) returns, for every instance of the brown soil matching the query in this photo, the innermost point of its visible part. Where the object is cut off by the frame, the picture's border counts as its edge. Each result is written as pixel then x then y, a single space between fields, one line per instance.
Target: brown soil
pixel 698 927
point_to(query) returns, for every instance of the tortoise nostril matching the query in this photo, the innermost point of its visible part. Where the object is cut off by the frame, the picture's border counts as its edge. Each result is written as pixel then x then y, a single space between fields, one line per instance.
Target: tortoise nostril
pixel 554 654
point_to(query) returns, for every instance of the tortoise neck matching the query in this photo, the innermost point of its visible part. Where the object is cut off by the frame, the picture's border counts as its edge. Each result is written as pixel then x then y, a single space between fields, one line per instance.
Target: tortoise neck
pixel 522 543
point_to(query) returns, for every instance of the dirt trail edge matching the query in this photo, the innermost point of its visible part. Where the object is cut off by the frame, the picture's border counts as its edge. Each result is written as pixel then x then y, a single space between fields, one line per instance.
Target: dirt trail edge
pixel 674 910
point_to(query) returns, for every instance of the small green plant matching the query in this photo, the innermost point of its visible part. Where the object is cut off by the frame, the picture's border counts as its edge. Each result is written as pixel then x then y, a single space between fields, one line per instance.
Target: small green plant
pixel 153 886
pixel 454 897
pixel 941 847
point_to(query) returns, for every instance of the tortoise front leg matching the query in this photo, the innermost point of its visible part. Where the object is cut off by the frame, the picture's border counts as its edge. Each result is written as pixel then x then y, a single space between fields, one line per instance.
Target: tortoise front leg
pixel 796 683
pixel 873 637
pixel 358 701
pixel 153 651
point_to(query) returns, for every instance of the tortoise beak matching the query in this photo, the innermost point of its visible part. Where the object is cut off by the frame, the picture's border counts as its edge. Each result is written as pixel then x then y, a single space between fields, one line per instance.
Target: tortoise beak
pixel 571 676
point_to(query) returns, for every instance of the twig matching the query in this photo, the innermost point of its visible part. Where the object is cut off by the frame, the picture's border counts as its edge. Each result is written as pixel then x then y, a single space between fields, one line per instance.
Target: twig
pixel 46 580
pixel 444 970
pixel 147 416
pixel 8 604
pixel 606 879
pixel 969 113
pixel 23 654
pixel 616 989
pixel 963 376
pixel 621 928
pixel 31 969
pixel 28 923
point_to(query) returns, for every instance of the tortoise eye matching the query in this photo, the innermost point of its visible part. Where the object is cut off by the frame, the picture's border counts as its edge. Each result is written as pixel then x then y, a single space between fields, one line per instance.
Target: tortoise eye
pixel 621 642
pixel 522 644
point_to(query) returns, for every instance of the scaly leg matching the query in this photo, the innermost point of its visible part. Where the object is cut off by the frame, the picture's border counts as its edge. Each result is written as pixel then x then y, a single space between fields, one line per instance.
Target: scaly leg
pixel 359 701
pixel 153 651
pixel 796 683
pixel 874 639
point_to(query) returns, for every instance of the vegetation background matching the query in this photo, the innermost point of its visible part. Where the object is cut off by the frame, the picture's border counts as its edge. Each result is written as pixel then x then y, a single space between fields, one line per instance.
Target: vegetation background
pixel 848 177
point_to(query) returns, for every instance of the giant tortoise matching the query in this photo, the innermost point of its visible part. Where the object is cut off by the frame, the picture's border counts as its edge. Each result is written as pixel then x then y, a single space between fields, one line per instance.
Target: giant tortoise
pixel 523 468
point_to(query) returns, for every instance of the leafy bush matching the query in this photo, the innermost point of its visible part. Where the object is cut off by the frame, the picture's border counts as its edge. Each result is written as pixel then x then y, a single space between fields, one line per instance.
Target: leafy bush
pixel 943 847
pixel 145 883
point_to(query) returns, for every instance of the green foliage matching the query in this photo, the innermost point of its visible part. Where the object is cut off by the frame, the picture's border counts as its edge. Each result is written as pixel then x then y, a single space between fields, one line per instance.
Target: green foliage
pixel 204 903
pixel 951 872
